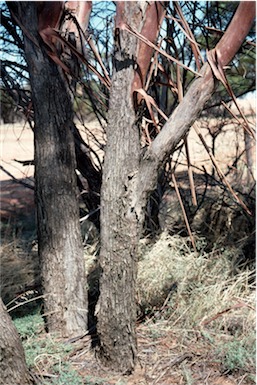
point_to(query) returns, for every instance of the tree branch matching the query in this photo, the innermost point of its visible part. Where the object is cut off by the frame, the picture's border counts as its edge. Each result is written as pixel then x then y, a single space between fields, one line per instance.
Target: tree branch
pixel 236 32
pixel 193 103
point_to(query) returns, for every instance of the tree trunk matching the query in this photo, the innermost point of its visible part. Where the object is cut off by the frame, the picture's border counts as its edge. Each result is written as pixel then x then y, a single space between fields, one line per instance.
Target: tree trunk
pixel 59 235
pixel 120 226
pixel 13 369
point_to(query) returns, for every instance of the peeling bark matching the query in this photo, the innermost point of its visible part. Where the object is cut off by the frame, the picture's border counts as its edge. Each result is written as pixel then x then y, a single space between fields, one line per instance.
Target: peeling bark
pixel 192 104
pixel 153 18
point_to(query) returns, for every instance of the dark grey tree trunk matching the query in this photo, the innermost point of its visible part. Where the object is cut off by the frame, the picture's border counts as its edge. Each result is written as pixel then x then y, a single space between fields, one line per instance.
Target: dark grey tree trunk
pixel 13 369
pixel 59 236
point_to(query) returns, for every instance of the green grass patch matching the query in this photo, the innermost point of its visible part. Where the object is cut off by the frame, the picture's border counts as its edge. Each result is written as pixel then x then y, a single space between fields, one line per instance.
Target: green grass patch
pixel 45 353
pixel 65 375
pixel 29 325
pixel 237 354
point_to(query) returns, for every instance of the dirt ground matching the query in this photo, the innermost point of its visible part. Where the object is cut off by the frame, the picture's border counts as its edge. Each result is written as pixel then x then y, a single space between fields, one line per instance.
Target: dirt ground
pixel 16 144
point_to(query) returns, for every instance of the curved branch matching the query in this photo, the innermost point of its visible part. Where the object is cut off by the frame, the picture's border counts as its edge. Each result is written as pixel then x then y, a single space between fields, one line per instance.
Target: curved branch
pixel 236 32
pixel 202 88
pixel 193 103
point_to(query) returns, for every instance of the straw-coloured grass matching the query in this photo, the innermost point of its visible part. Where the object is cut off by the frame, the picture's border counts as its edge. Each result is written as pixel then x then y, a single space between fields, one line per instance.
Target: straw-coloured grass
pixel 193 287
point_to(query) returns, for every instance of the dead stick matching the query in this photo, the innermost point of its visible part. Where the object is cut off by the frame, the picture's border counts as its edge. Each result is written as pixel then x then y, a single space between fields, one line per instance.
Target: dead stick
pixel 183 211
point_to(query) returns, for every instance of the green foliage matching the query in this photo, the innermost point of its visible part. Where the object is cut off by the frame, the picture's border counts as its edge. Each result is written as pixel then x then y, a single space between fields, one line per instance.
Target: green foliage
pixel 42 352
pixel 155 333
pixel 38 350
pixel 66 375
pixel 29 325
pixel 237 354
pixel 205 287
pixel 241 71
pixel 91 380
pixel 187 376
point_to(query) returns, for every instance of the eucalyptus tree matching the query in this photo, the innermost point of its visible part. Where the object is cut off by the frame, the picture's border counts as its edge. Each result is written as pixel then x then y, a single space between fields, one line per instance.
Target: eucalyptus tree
pixel 148 90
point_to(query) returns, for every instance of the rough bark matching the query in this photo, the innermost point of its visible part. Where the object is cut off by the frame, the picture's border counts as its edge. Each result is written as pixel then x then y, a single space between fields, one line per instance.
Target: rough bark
pixel 172 132
pixel 13 369
pixel 59 237
pixel 120 226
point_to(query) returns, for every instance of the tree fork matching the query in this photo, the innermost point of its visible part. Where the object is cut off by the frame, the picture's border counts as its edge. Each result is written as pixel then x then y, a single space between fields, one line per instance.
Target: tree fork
pixel 128 181
pixel 193 103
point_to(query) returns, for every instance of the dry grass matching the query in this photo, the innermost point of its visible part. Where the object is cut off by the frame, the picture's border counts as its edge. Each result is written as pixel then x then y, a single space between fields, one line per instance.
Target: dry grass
pixel 199 325
pixel 19 272
pixel 192 287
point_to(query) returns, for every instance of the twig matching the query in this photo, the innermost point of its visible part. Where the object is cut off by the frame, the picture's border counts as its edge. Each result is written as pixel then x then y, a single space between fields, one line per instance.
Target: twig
pixel 219 171
pixel 16 180
pixel 89 214
pixel 247 128
pixel 156 48
pixel 236 306
pixel 178 360
pixel 190 173
pixel 25 162
pixel 189 165
pixel 183 211
pixel 25 302
pixel 242 379
pixel 219 73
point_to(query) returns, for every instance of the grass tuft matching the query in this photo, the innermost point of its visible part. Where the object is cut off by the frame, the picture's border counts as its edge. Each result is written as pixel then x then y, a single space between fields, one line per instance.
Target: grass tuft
pixel 194 288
